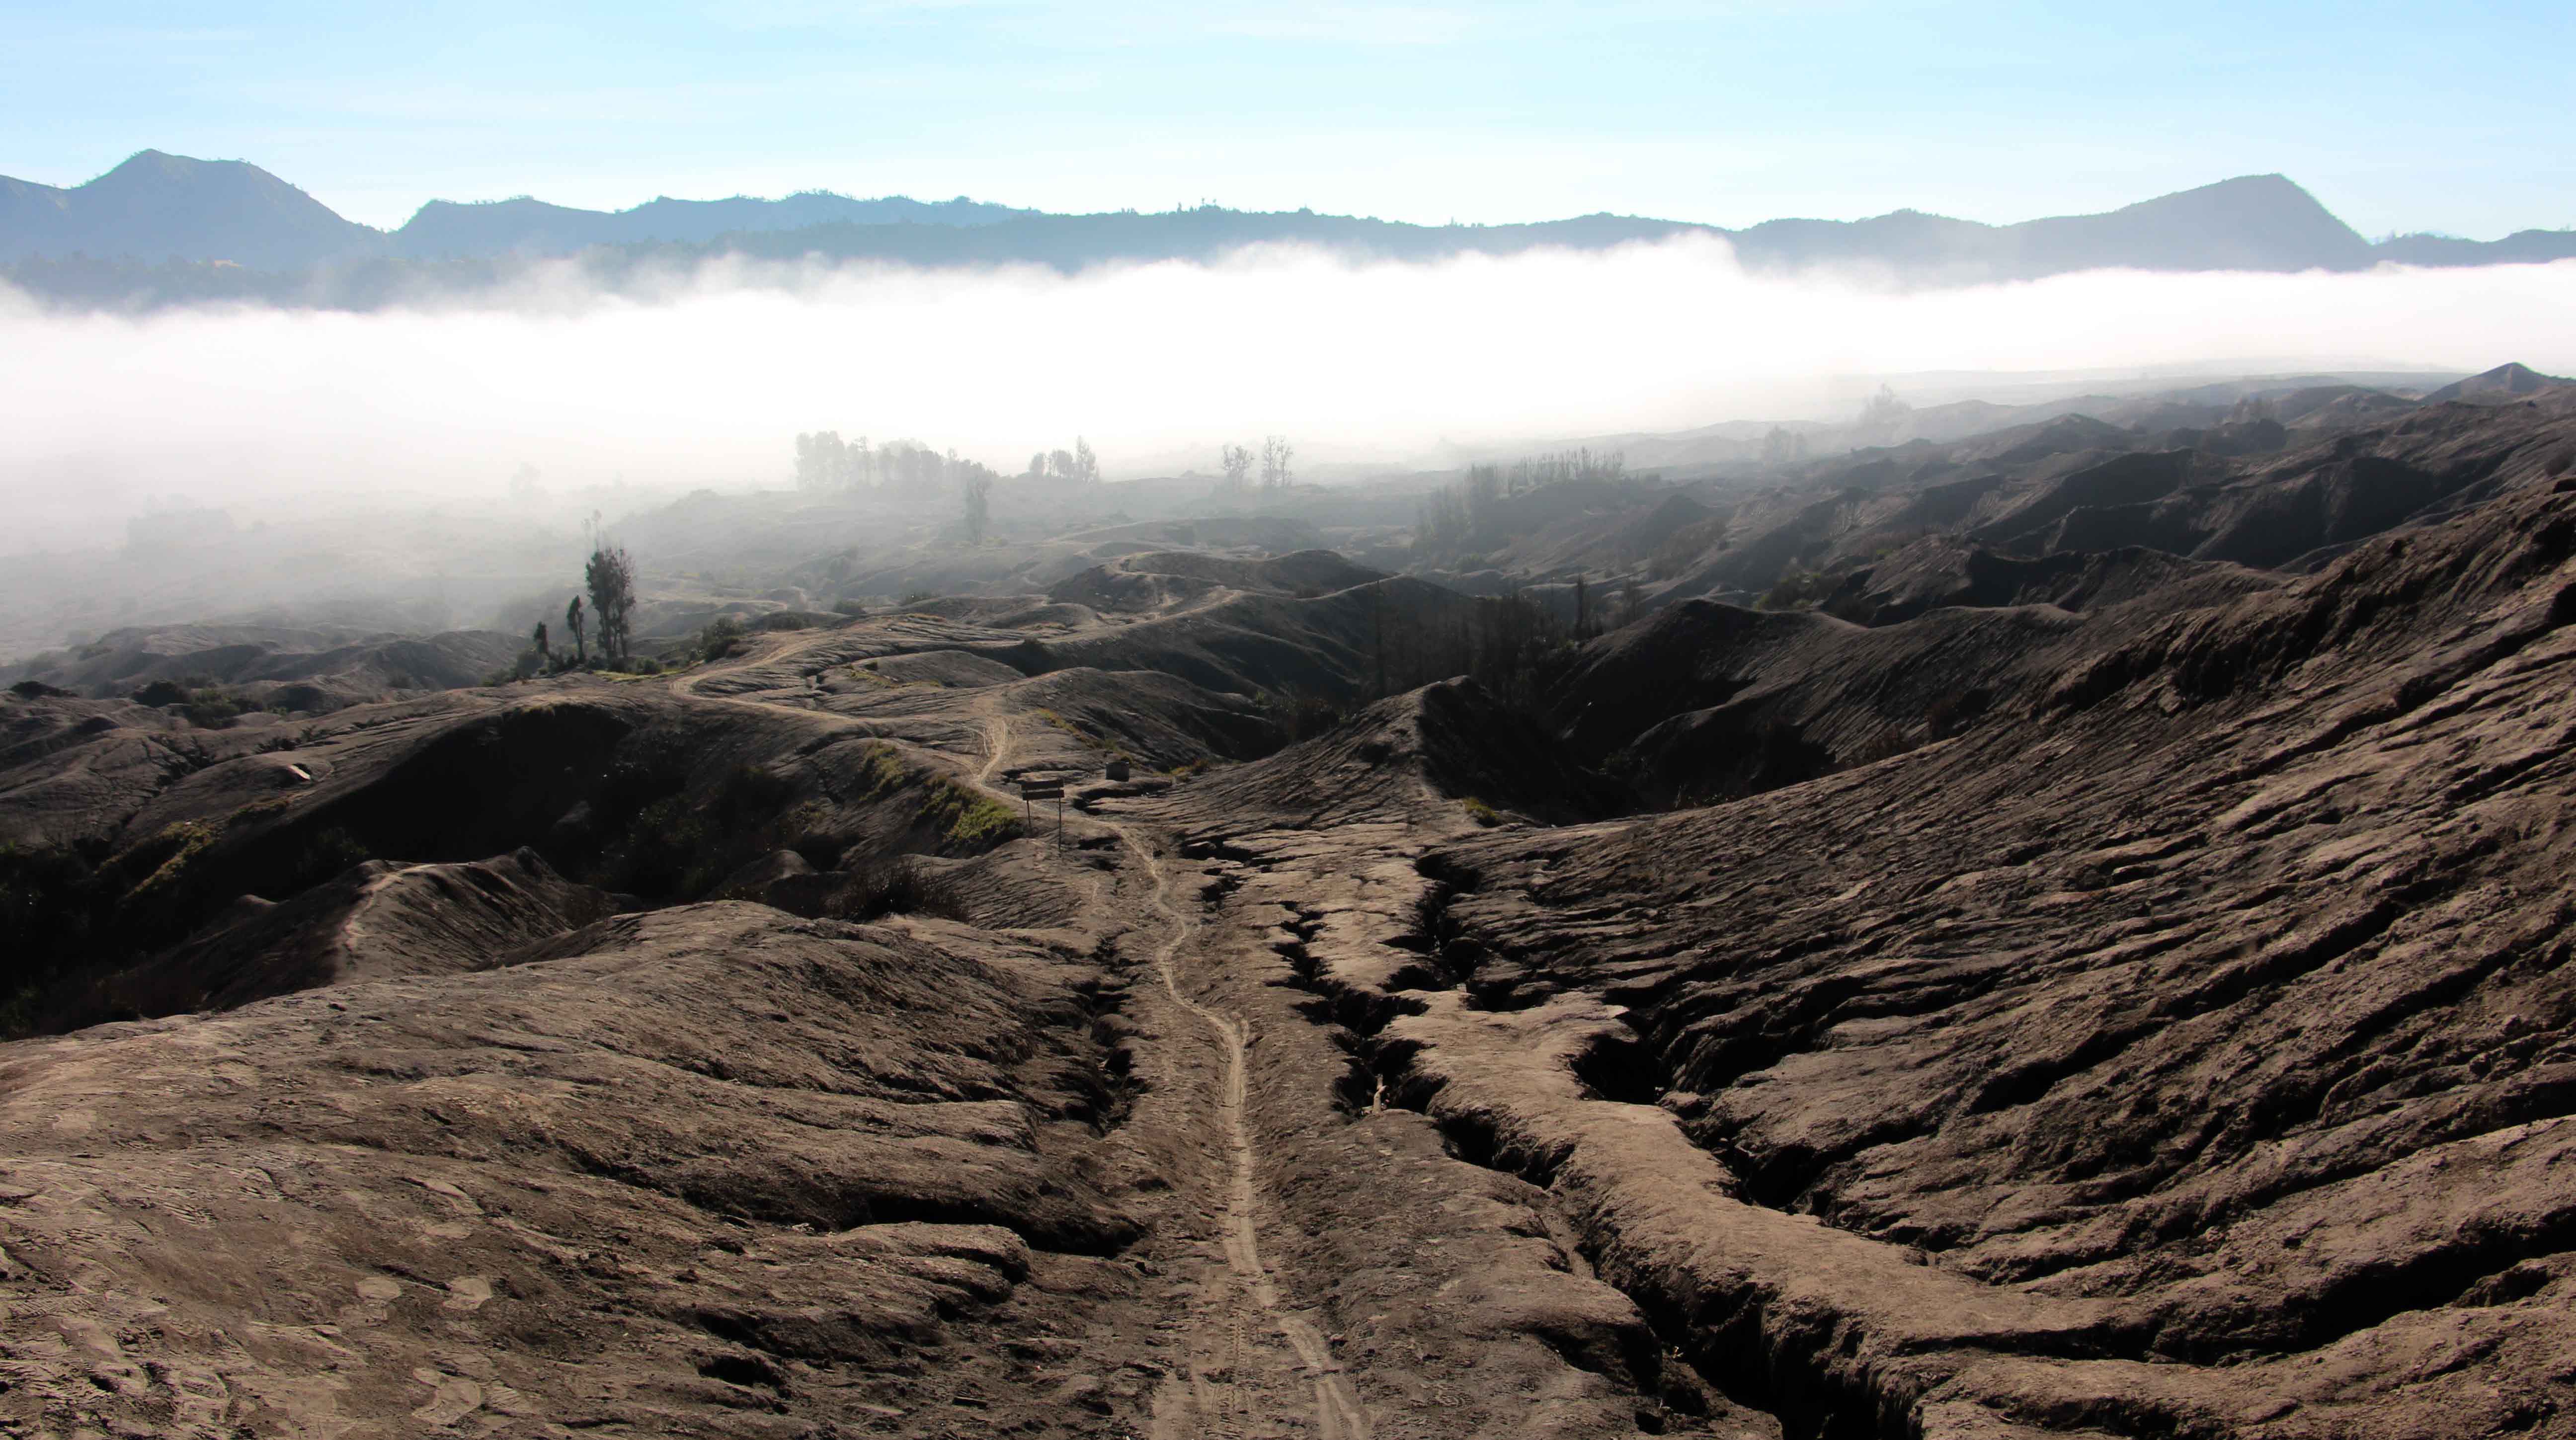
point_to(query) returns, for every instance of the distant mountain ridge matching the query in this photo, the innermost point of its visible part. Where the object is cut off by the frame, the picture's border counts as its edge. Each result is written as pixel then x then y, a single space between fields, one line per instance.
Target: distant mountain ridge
pixel 111 239
pixel 156 206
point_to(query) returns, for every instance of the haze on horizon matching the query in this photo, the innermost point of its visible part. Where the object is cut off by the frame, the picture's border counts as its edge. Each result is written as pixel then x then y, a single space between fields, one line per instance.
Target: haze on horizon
pixel 1158 365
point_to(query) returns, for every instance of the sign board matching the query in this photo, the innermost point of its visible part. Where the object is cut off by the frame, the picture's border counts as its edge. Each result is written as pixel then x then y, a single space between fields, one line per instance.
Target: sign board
pixel 1048 790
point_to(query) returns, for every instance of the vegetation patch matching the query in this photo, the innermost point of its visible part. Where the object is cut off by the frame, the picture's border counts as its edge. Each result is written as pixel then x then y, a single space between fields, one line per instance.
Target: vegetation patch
pixel 70 912
pixel 881 772
pixel 898 886
pixel 967 819
pixel 168 852
pixel 681 846
pixel 1800 590
pixel 1110 748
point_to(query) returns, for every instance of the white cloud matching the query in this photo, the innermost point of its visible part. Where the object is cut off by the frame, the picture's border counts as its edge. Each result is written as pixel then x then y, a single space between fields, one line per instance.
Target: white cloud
pixel 707 382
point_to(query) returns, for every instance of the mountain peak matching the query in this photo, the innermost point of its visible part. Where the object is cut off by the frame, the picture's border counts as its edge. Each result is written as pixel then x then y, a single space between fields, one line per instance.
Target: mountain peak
pixel 155 204
pixel 2509 381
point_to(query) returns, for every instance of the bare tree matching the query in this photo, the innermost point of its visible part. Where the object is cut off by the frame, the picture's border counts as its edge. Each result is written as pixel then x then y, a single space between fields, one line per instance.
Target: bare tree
pixel 1236 461
pixel 1086 466
pixel 977 492
pixel 1275 455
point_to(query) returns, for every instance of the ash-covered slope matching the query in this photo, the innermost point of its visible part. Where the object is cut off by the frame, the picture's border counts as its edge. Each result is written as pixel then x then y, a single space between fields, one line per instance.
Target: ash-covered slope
pixel 2290 497
pixel 1267 642
pixel 285 668
pixel 1433 756
pixel 2177 1050
pixel 379 920
pixel 692 1172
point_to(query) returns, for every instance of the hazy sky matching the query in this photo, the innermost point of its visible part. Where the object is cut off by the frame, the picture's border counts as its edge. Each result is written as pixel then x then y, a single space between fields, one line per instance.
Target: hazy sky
pixel 2398 116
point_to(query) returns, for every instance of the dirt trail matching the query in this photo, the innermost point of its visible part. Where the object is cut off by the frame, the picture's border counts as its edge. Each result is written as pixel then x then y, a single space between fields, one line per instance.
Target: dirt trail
pixel 1254 1302
pixel 997 743
pixel 1338 1415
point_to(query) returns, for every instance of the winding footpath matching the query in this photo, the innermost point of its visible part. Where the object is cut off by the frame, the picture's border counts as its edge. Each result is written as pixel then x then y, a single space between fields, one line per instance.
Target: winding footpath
pixel 1337 1413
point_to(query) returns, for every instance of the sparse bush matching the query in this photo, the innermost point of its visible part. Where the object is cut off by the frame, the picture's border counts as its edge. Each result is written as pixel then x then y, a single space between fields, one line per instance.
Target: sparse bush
pixel 332 854
pixel 207 709
pixel 966 818
pixel 681 845
pixel 1305 714
pixel 53 906
pixel 899 885
pixel 36 689
pixel 1799 590
pixel 783 620
pixel 1481 813
pixel 881 772
pixel 166 854
pixel 722 637
pixel 1956 711
pixel 1110 748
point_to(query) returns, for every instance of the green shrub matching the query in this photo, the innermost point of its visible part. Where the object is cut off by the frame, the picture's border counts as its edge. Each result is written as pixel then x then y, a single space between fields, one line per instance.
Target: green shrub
pixel 163 858
pixel 723 636
pixel 1482 813
pixel 210 708
pixel 967 818
pixel 881 772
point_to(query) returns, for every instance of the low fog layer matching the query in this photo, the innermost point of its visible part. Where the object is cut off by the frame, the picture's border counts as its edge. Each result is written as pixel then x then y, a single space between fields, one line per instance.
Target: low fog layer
pixel 707 385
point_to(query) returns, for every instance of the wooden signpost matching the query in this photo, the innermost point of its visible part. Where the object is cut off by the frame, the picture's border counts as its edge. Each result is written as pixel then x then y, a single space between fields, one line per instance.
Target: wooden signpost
pixel 1032 791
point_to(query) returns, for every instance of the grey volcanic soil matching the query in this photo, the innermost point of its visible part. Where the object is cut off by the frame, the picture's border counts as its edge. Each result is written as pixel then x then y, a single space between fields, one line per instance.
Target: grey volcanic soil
pixel 2107 995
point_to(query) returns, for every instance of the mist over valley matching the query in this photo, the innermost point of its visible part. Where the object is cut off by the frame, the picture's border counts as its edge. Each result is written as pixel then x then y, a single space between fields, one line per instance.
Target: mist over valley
pixel 826 816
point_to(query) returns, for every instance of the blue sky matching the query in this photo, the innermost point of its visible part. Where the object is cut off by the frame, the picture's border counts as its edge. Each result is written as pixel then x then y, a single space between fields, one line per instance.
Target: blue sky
pixel 2416 116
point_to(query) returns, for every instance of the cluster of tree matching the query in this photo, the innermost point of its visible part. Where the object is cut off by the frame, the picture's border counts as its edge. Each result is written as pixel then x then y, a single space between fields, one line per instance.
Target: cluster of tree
pixel 1514 645
pixel 1511 643
pixel 1783 446
pixel 1882 415
pixel 1078 466
pixel 1236 462
pixel 1452 513
pixel 825 463
pixel 609 579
